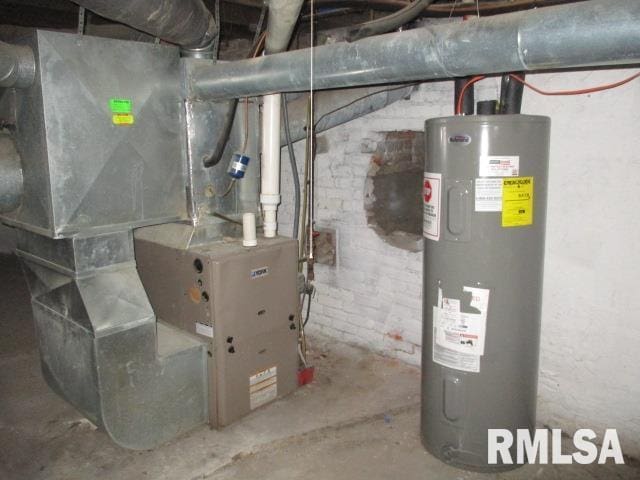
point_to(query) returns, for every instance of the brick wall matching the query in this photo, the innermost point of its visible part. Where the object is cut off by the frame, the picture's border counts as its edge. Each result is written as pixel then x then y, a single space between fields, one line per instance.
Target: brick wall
pixel 590 332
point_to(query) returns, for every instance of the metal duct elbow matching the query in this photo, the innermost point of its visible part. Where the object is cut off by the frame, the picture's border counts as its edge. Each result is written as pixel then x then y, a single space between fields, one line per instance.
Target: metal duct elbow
pixel 187 23
pixel 283 15
pixel 17 66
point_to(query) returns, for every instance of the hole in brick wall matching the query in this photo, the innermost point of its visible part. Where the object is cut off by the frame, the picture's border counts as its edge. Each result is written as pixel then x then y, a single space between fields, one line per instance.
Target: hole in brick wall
pixel 393 200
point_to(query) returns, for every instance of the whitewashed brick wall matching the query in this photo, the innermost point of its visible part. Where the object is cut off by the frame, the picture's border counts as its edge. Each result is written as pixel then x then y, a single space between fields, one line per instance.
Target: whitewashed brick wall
pixel 591 309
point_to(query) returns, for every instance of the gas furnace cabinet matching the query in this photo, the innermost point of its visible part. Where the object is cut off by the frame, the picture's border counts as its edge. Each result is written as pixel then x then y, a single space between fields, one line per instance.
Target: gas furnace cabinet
pixel 242 302
pixel 484 226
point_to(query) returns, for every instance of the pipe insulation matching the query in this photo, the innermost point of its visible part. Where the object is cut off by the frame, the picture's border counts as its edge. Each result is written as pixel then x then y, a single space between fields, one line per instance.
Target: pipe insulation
pixel 283 16
pixel 270 165
pixel 17 66
pixel 592 33
pixel 187 23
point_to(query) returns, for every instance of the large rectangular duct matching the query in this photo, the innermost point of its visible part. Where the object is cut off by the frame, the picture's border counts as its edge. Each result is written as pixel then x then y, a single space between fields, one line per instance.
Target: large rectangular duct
pixel 101 136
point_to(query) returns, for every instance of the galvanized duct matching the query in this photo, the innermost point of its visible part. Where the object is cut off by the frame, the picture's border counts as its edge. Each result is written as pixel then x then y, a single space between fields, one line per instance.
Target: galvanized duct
pixel 594 33
pixel 17 66
pixel 187 23
pixel 11 186
pixel 335 107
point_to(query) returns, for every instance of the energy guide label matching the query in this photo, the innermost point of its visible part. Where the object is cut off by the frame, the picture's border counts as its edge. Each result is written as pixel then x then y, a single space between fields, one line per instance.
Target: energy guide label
pixel 517 202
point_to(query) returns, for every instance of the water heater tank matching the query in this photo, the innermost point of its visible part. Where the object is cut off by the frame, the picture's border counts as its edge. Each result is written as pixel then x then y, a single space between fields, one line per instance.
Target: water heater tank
pixel 485 190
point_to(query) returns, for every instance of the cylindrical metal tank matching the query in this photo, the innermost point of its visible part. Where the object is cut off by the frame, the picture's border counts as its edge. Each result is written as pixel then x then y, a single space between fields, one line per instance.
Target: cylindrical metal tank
pixel 485 191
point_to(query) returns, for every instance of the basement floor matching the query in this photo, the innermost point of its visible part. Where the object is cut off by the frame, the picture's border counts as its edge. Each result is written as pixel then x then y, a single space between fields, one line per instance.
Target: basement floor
pixel 358 420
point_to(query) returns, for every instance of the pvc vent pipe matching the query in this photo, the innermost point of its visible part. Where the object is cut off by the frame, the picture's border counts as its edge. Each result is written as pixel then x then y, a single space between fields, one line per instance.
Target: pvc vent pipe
pixel 249 230
pixel 270 163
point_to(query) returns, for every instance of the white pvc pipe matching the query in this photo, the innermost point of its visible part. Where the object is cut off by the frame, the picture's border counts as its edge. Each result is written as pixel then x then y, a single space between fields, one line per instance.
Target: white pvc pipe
pixel 270 163
pixel 249 230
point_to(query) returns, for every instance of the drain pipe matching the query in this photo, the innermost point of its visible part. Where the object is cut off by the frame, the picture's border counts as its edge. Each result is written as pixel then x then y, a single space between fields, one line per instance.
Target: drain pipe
pixel 283 15
pixel 592 33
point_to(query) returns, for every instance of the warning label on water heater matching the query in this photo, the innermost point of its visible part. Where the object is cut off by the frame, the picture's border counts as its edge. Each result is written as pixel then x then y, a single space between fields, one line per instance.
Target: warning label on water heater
pixel 459 336
pixel 499 166
pixel 517 202
pixel 431 192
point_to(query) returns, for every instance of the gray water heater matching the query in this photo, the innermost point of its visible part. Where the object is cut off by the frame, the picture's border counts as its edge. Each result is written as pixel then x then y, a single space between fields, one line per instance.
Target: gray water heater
pixel 485 190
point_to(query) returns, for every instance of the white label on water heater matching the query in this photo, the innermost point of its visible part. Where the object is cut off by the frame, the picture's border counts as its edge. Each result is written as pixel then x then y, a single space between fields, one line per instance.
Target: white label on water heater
pixel 488 194
pixel 499 166
pixel 459 337
pixel 431 192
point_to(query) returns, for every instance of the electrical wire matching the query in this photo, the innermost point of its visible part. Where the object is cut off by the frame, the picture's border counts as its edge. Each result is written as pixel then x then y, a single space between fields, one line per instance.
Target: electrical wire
pixel 226 192
pixel 464 89
pixel 258 32
pixel 353 102
pixel 582 91
pixel 216 41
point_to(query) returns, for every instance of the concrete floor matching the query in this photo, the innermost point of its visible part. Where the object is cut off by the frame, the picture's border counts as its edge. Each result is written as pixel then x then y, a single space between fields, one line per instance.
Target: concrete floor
pixel 358 420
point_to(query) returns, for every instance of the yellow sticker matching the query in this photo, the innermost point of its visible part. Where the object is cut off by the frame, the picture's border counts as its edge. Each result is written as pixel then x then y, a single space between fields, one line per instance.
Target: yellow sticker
pixel 517 201
pixel 123 119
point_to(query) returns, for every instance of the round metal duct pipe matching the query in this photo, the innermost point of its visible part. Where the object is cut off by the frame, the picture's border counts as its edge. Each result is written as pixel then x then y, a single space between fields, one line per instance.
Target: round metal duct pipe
pixel 10 175
pixel 187 23
pixel 17 66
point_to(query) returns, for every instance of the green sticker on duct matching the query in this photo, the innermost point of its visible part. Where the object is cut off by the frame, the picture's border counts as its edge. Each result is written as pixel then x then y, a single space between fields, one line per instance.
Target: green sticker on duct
pixel 120 105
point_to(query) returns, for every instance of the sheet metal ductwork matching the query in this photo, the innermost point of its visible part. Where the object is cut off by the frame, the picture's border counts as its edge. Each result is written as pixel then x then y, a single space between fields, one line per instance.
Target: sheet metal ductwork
pixel 17 66
pixel 187 23
pixel 594 33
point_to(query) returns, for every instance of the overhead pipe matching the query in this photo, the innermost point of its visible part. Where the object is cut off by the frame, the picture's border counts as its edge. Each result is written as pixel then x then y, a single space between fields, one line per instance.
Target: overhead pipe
pixel 283 15
pixel 486 7
pixel 388 23
pixel 17 66
pixel 592 33
pixel 187 23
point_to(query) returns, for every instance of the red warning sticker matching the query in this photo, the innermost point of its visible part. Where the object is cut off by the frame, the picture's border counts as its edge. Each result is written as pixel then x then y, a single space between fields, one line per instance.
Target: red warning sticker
pixel 431 191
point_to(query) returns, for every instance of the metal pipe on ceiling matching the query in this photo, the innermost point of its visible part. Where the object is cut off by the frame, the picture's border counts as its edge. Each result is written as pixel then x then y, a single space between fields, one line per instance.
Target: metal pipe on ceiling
pixel 592 33
pixel 283 16
pixel 187 23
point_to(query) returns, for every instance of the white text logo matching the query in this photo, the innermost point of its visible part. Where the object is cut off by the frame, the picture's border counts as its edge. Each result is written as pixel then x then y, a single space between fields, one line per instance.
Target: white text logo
pixel 535 449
